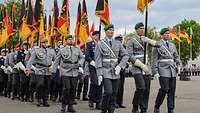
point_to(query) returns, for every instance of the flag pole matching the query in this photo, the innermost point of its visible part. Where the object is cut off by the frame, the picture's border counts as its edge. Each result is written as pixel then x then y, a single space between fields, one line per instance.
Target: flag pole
pixel 191 33
pixel 146 25
pixel 99 28
pixel 179 43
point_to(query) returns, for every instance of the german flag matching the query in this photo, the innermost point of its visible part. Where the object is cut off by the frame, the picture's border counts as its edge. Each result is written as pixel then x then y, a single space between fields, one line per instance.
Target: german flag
pixel 183 34
pixel 142 4
pixel 78 21
pixel 173 34
pixel 84 26
pixel 102 11
pixel 64 19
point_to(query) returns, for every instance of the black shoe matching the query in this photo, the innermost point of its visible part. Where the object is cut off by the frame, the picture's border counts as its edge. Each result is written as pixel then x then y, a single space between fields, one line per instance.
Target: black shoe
pixel 122 106
pixel 46 104
pixel 39 103
pixel 156 110
pixel 116 106
pixel 135 109
pixel 85 98
pixel 78 97
pixel 91 104
pixel 110 111
pixel 74 102
pixel 98 106
pixel 63 108
pixel 171 111
pixel 71 108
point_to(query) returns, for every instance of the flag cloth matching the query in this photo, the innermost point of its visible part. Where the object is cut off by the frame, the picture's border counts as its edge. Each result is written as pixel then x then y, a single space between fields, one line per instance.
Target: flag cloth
pixel 174 35
pixel 41 28
pixel 142 4
pixel 64 19
pixel 24 30
pixel 102 11
pixel 84 26
pixel 183 34
pixel 78 20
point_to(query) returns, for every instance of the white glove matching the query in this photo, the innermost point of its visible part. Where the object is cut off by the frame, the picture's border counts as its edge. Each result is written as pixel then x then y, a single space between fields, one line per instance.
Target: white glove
pixel 144 67
pixel 3 67
pixel 21 66
pixel 179 69
pixel 80 70
pixel 156 76
pixel 58 67
pixel 33 68
pixel 117 70
pixel 100 79
pixel 92 63
pixel 9 69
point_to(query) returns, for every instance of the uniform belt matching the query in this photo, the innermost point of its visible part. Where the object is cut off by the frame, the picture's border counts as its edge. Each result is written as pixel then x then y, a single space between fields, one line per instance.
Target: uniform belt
pixel 166 60
pixel 110 60
pixel 43 65
pixel 139 56
pixel 70 62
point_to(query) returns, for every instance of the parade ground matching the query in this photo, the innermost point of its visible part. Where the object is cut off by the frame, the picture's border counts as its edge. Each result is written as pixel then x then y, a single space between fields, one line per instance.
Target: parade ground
pixel 187 100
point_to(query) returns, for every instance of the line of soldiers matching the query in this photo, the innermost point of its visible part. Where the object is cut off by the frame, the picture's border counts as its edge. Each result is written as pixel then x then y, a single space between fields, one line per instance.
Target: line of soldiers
pixel 43 71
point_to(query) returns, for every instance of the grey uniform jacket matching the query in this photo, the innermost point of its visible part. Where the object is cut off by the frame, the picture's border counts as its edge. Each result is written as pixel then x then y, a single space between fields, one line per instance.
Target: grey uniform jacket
pixel 69 61
pixel 13 61
pixel 135 48
pixel 43 58
pixel 106 62
pixel 166 60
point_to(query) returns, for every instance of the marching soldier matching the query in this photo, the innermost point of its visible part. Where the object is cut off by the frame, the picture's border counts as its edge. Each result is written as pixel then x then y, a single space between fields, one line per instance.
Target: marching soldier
pixel 8 71
pixel 166 64
pixel 95 91
pixel 140 70
pixel 107 53
pixel 70 60
pixel 43 58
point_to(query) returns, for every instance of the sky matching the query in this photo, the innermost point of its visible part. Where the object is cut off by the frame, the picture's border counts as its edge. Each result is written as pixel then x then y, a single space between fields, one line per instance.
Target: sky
pixel 124 13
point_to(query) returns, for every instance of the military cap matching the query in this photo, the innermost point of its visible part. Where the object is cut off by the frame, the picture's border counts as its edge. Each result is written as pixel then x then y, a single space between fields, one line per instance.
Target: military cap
pixel 163 30
pixel 138 25
pixel 95 32
pixel 68 37
pixel 44 40
pixel 109 26
pixel 4 50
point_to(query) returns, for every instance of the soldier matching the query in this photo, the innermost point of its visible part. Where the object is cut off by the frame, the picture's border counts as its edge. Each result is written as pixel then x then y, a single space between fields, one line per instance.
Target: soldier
pixel 32 81
pixel 120 93
pixel 70 60
pixel 107 53
pixel 13 60
pixel 8 71
pixel 166 64
pixel 43 58
pixel 3 75
pixel 140 70
pixel 95 91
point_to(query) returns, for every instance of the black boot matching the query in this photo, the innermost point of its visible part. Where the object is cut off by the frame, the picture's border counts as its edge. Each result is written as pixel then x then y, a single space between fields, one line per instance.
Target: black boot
pixel 39 103
pixel 98 105
pixel 170 111
pixel 71 108
pixel 91 104
pixel 85 98
pixel 63 108
pixel 103 111
pixel 46 104
pixel 156 110
pixel 135 109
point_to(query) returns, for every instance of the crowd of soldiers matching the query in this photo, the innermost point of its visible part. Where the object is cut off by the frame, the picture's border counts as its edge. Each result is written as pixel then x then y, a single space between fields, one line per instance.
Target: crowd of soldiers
pixel 43 73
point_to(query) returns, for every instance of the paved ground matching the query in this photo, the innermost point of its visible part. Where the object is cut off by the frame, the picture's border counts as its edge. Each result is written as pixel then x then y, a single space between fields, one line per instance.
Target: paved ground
pixel 187 100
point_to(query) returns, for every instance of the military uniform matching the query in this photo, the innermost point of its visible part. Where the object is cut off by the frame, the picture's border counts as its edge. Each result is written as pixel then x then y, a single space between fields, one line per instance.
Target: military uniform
pixel 107 53
pixel 10 76
pixel 2 75
pixel 165 63
pixel 42 58
pixel 69 59
pixel 95 91
pixel 15 74
pixel 136 50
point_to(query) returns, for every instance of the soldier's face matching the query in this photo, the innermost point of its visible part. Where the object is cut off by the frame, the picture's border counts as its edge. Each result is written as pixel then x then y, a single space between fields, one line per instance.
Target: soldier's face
pixel 166 35
pixel 70 41
pixel 140 31
pixel 44 44
pixel 95 37
pixel 110 33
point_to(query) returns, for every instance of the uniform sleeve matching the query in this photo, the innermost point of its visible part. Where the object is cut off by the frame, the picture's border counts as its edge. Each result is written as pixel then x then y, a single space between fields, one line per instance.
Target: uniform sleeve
pixel 88 53
pixel 6 61
pixel 129 49
pixel 176 57
pixel 98 60
pixel 31 60
pixel 155 62
pixel 27 57
pixel 81 59
pixel 56 62
pixel 124 55
pixel 11 59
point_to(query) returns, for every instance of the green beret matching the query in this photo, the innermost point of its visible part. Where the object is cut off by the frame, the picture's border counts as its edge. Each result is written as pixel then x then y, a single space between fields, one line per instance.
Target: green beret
pixel 44 40
pixel 109 26
pixel 163 30
pixel 35 40
pixel 138 25
pixel 68 37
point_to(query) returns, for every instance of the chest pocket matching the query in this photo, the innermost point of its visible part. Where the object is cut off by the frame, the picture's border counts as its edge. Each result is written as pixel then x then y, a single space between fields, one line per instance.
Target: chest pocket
pixel 66 54
pixel 116 49
pixel 163 52
pixel 75 55
pixel 40 54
